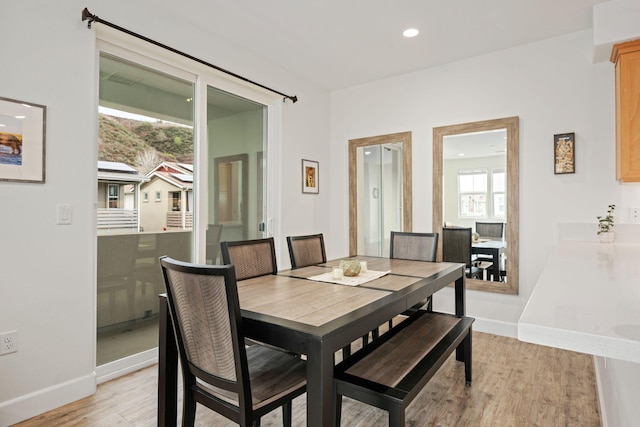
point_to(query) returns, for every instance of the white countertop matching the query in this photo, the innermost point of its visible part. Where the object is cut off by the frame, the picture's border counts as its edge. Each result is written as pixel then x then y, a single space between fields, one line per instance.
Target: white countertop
pixel 587 300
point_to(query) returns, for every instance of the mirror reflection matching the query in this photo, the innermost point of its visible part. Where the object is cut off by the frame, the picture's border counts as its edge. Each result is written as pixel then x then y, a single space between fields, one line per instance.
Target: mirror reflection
pixel 475 188
pixel 379 191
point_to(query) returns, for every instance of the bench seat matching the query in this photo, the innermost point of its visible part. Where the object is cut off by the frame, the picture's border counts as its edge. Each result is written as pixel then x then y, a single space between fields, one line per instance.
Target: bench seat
pixel 391 371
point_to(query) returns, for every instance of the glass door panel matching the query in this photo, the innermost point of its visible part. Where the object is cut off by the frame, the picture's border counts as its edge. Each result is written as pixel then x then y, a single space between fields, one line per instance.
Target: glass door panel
pixel 236 138
pixel 145 157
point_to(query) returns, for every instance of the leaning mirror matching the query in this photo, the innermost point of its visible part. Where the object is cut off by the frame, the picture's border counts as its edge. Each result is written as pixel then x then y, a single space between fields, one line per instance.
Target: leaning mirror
pixel 379 191
pixel 475 180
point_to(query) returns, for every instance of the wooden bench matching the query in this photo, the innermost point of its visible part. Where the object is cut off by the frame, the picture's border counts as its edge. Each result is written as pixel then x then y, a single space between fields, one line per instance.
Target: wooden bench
pixel 391 371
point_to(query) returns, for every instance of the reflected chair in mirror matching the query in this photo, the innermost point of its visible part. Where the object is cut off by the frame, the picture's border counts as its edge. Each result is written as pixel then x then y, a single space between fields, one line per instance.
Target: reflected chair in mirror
pixel 456 247
pixel 214 231
pixel 415 247
pixel 490 230
pixel 306 250
pixel 251 258
pixel 218 370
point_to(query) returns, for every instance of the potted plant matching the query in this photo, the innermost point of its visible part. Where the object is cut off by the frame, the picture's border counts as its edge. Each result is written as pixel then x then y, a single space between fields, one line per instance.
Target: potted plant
pixel 605 226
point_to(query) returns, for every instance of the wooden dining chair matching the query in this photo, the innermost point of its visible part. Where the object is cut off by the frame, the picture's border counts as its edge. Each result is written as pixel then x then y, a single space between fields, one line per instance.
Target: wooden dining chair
pixel 415 247
pixel 214 232
pixel 251 258
pixel 456 247
pixel 306 250
pixel 490 230
pixel 218 370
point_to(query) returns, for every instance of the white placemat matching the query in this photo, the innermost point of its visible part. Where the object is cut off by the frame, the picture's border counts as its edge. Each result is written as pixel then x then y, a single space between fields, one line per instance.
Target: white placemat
pixel 361 278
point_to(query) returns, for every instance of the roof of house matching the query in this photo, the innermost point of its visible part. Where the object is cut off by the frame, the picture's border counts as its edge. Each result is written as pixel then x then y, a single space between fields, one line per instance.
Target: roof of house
pixel 117 171
pixel 179 175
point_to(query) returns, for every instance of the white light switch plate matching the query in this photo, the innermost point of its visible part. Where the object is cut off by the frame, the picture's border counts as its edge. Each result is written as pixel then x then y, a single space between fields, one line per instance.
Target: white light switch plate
pixel 64 214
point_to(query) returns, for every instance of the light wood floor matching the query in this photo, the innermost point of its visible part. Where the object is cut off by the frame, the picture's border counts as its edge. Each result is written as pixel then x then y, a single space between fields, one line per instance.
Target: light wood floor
pixel 514 384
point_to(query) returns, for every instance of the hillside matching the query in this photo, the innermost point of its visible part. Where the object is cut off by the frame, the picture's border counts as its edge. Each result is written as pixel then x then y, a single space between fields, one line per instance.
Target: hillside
pixel 142 144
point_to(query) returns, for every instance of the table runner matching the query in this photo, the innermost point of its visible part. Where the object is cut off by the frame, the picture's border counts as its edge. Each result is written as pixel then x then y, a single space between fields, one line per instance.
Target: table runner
pixel 360 279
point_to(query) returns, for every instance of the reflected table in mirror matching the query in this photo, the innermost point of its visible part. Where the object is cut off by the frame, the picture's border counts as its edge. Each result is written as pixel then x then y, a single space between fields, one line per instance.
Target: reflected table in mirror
pixel 493 248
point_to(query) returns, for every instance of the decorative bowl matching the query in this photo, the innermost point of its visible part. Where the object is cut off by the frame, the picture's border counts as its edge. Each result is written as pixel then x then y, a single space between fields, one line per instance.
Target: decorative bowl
pixel 350 267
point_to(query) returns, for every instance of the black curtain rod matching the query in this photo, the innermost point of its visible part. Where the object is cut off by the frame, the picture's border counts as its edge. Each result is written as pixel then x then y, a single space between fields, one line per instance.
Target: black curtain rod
pixel 86 15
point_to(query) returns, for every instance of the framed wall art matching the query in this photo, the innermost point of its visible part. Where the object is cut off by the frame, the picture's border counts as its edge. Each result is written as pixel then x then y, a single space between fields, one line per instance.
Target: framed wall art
pixel 22 141
pixel 564 153
pixel 310 177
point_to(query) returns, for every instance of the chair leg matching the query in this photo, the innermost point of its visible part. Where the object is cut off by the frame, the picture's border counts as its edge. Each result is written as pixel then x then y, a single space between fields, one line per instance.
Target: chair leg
pixel 188 410
pixel 286 414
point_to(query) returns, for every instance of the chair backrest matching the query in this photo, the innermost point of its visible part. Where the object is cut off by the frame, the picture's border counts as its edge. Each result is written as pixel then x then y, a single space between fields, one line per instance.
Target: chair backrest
pixel 414 246
pixel 492 230
pixel 251 258
pixel 214 231
pixel 456 245
pixel 306 250
pixel 204 306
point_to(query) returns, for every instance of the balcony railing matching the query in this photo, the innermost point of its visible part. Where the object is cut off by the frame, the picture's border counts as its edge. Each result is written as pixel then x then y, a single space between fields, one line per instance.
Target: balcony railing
pixel 121 219
pixel 175 220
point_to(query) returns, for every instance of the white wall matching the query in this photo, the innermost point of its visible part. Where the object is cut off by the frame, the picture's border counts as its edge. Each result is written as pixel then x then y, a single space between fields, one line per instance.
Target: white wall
pixel 553 87
pixel 47 284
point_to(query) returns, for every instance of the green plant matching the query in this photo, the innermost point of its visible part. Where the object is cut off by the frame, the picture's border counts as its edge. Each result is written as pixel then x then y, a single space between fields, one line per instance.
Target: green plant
pixel 605 224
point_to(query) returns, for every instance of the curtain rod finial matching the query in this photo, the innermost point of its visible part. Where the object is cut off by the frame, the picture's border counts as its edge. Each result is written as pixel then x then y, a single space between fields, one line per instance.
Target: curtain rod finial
pixel 87 15
pixel 293 98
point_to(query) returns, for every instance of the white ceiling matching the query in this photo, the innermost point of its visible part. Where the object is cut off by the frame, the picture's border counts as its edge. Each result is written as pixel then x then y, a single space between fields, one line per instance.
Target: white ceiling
pixel 342 43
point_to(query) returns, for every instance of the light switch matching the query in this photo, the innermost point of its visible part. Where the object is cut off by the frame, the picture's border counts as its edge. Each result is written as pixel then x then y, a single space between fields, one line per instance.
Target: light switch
pixel 64 214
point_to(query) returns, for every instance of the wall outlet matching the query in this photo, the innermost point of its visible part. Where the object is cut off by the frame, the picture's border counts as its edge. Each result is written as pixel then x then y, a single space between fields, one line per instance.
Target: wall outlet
pixel 8 342
pixel 634 215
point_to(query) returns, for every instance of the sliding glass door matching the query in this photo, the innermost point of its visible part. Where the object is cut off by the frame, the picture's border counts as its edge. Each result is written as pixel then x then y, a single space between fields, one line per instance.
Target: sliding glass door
pixel 173 179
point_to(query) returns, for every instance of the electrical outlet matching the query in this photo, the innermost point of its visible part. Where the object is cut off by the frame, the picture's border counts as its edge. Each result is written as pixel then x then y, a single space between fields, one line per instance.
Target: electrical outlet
pixel 8 342
pixel 634 215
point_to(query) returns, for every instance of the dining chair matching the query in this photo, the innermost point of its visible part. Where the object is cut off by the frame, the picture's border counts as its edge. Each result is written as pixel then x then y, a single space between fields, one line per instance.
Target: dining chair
pixel 251 258
pixel 416 247
pixel 214 231
pixel 218 370
pixel 456 247
pixel 306 250
pixel 490 230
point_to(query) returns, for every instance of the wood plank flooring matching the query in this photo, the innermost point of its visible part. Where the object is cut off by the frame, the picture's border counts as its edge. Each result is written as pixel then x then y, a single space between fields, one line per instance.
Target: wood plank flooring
pixel 514 384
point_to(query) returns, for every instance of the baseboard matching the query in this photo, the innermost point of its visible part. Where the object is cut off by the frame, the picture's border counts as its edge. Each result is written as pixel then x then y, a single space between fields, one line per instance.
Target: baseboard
pixel 127 365
pixel 496 327
pixel 32 404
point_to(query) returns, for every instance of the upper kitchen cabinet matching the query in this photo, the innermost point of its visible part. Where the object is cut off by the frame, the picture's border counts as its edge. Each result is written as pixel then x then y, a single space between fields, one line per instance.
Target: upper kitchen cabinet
pixel 626 57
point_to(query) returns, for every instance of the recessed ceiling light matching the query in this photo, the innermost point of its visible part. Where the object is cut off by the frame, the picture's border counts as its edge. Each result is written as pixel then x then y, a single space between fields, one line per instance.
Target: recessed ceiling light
pixel 410 32
pixel 461 154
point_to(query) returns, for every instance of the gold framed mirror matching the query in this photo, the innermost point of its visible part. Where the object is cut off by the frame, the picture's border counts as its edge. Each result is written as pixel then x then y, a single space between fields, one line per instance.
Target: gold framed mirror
pixel 510 126
pixel 400 145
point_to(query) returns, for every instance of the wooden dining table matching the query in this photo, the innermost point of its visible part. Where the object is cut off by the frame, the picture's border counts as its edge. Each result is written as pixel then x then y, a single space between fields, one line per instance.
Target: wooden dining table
pixel 293 312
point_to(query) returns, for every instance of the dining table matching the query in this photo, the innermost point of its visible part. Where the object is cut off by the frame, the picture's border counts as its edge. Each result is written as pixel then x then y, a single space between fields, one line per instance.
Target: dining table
pixel 296 311
pixel 493 248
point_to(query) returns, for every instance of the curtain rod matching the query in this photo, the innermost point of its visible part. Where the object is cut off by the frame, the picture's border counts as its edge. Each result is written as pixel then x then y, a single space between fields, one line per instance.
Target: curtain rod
pixel 86 15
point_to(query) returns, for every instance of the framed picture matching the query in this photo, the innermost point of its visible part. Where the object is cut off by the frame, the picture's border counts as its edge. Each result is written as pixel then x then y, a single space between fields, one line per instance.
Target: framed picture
pixel 564 153
pixel 310 178
pixel 22 141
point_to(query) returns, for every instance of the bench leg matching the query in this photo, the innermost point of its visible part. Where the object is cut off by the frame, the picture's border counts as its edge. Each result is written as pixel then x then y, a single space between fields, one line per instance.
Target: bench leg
pixel 396 416
pixel 338 409
pixel 467 358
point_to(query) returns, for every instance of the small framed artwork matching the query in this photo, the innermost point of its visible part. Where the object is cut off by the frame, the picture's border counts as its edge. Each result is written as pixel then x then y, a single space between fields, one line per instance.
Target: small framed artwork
pixel 22 141
pixel 564 153
pixel 310 178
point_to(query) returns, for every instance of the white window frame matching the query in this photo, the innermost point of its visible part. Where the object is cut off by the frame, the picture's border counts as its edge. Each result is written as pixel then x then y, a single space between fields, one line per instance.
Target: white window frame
pixel 485 193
